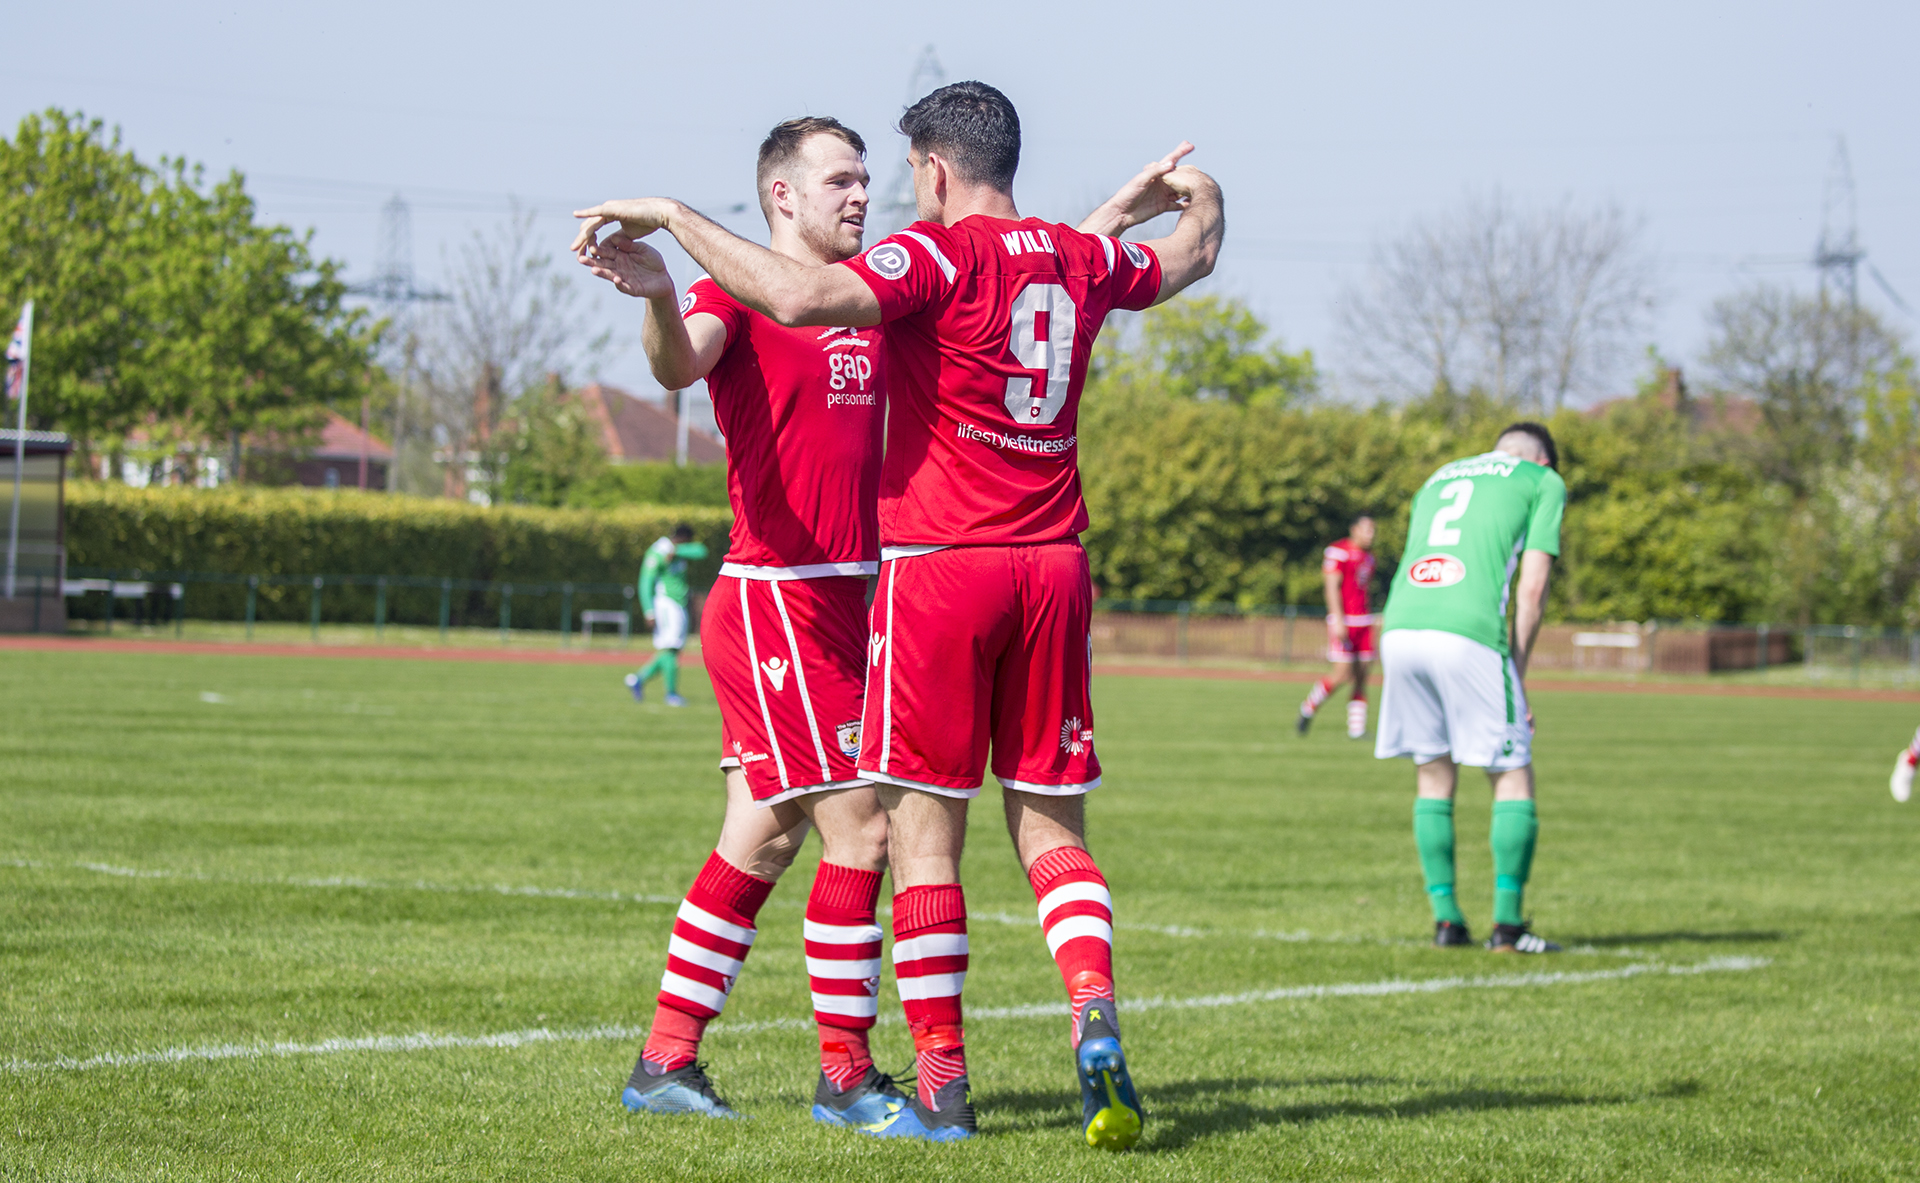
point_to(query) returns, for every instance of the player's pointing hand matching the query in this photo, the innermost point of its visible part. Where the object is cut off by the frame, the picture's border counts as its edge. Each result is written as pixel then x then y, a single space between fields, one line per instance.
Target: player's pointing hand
pixel 638 217
pixel 635 268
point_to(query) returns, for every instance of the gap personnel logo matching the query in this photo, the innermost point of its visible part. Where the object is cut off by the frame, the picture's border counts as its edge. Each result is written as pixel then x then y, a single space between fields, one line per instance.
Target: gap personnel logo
pixel 848 734
pixel 889 260
pixel 777 672
pixel 1436 571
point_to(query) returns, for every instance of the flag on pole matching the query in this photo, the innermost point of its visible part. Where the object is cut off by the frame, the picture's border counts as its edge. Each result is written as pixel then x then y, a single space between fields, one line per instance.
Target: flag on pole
pixel 17 357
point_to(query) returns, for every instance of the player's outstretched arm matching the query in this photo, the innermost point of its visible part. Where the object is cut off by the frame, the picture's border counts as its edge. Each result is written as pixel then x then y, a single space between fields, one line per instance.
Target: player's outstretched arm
pixel 1142 199
pixel 679 351
pixel 1189 253
pixel 1530 606
pixel 791 293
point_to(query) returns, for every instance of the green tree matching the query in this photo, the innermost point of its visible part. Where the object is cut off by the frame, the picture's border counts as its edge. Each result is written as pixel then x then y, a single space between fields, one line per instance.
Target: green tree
pixel 548 447
pixel 163 305
pixel 1210 348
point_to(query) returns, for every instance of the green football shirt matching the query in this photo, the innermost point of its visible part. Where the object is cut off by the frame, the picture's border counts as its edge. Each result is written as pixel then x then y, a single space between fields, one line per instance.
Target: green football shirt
pixel 664 571
pixel 1471 521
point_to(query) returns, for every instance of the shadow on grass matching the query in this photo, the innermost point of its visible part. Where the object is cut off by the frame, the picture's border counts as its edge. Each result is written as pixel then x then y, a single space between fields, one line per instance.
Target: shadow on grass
pixel 1183 1112
pixel 1684 936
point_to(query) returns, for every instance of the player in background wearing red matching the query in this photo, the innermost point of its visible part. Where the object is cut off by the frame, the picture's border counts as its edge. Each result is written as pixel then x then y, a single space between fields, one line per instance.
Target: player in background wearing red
pixel 1348 570
pixel 784 634
pixel 980 622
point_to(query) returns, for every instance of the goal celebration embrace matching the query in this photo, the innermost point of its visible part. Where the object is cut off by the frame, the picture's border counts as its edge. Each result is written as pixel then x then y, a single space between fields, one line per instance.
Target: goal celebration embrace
pixel 905 410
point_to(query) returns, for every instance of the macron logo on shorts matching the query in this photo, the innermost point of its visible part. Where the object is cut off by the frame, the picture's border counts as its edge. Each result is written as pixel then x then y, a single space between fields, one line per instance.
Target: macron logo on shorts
pixel 875 645
pixel 776 673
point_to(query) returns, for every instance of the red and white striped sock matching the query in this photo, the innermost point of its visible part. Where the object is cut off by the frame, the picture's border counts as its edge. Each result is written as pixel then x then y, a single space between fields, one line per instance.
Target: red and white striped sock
pixel 1356 716
pixel 843 968
pixel 1076 912
pixel 1317 695
pixel 711 936
pixel 930 968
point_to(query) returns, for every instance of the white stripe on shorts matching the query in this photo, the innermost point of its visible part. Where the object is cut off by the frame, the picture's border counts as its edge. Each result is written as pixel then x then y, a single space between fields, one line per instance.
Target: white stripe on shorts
pixel 800 674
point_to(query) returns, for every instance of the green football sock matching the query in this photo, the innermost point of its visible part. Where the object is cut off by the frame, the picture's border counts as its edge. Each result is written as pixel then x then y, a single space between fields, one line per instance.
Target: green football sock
pixel 670 660
pixel 653 667
pixel 1433 834
pixel 1515 826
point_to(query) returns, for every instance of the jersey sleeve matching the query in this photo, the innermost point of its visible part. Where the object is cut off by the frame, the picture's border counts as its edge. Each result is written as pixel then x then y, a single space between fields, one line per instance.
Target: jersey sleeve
pixel 704 295
pixel 1136 274
pixel 1332 560
pixel 1549 505
pixel 907 271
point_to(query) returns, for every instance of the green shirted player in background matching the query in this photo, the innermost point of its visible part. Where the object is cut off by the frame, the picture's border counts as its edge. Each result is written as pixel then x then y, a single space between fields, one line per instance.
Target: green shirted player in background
pixel 1454 684
pixel 663 588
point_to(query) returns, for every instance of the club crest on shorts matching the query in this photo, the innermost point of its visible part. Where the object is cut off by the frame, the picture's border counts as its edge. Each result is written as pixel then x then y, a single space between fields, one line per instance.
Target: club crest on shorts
pixel 848 736
pixel 1073 739
pixel 1436 571
pixel 889 260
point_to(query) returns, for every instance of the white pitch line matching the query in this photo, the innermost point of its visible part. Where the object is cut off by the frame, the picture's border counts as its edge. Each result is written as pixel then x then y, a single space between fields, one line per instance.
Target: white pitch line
pixel 423 1041
pixel 342 881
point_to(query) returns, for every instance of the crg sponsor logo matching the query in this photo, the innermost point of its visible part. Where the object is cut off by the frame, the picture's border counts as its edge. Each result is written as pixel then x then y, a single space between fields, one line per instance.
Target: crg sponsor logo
pixel 1436 571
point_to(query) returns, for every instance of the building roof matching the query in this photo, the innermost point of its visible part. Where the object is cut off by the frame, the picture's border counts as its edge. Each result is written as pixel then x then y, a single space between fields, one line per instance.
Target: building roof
pixel 36 443
pixel 343 440
pixel 636 429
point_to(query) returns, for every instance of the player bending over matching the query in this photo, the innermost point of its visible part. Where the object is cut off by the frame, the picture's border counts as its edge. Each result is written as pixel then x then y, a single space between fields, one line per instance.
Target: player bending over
pixel 663 587
pixel 1454 682
pixel 1348 570
pixel 1903 765
pixel 784 632
pixel 980 621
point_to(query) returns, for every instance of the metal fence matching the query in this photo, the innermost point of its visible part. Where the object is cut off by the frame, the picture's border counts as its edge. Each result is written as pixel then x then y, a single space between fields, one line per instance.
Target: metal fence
pixel 168 598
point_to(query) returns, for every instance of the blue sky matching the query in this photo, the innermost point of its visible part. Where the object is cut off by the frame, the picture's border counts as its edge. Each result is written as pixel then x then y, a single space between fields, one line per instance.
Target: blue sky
pixel 1327 129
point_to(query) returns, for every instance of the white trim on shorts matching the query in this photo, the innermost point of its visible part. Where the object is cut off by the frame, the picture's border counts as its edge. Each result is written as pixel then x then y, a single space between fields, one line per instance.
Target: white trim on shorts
pixel 1027 786
pixel 766 716
pixel 804 571
pixel 923 786
pixel 910 552
pixel 859 782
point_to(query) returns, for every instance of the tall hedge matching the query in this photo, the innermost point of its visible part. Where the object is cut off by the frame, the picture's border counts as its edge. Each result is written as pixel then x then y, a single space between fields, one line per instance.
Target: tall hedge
pixel 271 532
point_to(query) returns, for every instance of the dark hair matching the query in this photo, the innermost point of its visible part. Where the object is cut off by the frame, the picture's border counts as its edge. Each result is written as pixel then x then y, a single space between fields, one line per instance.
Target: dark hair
pixel 683 533
pixel 1362 516
pixel 782 147
pixel 973 127
pixel 1540 435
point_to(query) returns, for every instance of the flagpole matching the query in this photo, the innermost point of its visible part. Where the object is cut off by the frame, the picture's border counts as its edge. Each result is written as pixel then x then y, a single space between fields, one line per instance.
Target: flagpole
pixel 19 453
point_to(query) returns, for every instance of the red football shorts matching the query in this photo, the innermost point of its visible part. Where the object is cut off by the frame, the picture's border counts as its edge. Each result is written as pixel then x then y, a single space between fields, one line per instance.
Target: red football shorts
pixel 979 645
pixel 787 660
pixel 1357 647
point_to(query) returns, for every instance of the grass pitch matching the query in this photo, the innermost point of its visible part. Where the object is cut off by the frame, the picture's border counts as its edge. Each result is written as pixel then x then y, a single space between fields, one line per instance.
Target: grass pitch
pixel 224 879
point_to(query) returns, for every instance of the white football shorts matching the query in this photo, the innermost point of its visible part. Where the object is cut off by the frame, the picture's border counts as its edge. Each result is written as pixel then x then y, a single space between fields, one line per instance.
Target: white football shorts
pixel 1445 694
pixel 669 623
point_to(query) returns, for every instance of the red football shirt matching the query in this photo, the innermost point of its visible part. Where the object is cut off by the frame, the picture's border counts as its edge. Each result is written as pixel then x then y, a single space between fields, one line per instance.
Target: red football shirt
pixel 803 411
pixel 990 324
pixel 1356 572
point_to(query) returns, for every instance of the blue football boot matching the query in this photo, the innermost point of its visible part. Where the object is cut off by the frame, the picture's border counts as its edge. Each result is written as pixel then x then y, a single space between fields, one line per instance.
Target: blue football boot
pixel 1109 1106
pixel 683 1090
pixel 949 1120
pixel 871 1106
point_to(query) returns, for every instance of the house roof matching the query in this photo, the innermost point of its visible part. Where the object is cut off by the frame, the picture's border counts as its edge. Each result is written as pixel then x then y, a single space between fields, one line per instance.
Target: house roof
pixel 343 440
pixel 635 429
